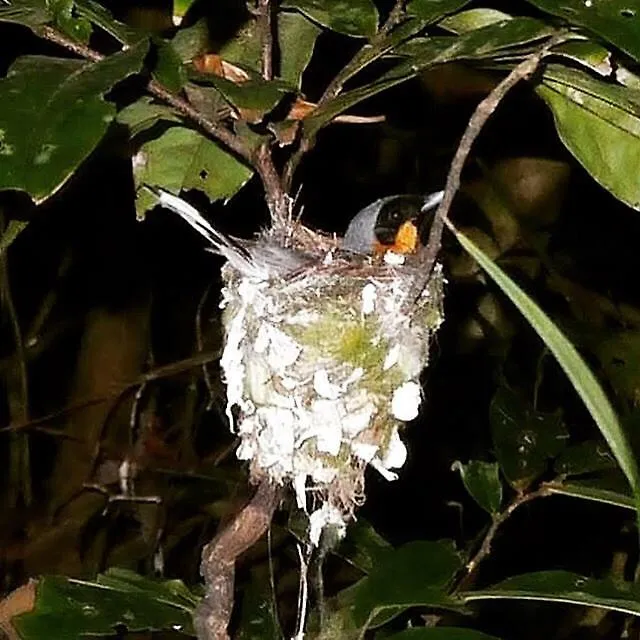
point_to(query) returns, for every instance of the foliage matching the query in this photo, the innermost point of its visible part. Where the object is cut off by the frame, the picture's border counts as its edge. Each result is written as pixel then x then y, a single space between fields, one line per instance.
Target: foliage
pixel 221 101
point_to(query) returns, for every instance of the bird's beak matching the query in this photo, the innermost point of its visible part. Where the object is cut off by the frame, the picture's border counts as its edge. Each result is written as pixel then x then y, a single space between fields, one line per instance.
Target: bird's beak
pixel 432 201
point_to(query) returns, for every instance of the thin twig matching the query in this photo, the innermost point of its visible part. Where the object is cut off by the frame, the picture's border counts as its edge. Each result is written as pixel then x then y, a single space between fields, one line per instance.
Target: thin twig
pixel 212 615
pixel 362 58
pixel 17 389
pixel 429 253
pixel 265 29
pixel 166 371
pixel 214 129
pixel 471 569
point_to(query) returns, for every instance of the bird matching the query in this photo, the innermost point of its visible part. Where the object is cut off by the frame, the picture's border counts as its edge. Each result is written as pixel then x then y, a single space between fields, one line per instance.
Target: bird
pixel 391 223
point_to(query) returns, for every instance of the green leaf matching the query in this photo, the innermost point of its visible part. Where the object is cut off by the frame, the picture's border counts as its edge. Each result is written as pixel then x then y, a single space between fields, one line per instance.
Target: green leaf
pixel 423 53
pixel 619 356
pixel 296 39
pixel 254 98
pixel 143 114
pixel 98 15
pixel 607 488
pixel 587 54
pixel 182 159
pixel 473 19
pixel 432 10
pixel 416 574
pixel 54 115
pixel 562 586
pixel 614 20
pixel 168 70
pixel 363 546
pixel 482 481
pixel 351 17
pixel 524 439
pixel 258 614
pixel 581 377
pixel 600 124
pixel 192 41
pixel 74 608
pixel 76 27
pixel 441 633
pixel 485 42
pixel 586 457
pixel 30 13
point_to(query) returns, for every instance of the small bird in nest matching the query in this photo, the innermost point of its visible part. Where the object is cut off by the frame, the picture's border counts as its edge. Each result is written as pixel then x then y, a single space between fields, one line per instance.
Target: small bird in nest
pixel 392 224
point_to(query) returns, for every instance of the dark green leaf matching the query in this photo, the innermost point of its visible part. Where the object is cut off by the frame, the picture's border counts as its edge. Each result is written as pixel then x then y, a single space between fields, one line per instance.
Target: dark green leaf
pixel 617 21
pixel 143 114
pixel 98 15
pixel 254 98
pixel 169 71
pixel 609 488
pixel 54 115
pixel 524 439
pixel 473 19
pixel 30 13
pixel 74 608
pixel 482 481
pixel 585 457
pixel 562 586
pixel 581 377
pixel 192 41
pixel 619 356
pixel 422 53
pixel 416 574
pixel 587 54
pixel 363 546
pixel 182 158
pixel 441 633
pixel 431 10
pixel 485 42
pixel 296 39
pixel 78 28
pixel 168 591
pixel 351 17
pixel 600 124
pixel 258 615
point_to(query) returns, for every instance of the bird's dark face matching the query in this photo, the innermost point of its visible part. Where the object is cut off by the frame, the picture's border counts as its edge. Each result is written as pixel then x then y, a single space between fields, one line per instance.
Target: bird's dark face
pixel 398 217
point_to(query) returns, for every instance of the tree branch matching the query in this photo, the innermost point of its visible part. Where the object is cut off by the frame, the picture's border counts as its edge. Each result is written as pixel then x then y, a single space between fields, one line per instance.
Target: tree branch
pixel 265 28
pixel 471 569
pixel 212 615
pixel 367 54
pixel 429 253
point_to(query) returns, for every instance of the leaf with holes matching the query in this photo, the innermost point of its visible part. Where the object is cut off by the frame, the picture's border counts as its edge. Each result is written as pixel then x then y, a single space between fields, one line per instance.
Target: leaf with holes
pixel 617 21
pixel 182 159
pixel 54 115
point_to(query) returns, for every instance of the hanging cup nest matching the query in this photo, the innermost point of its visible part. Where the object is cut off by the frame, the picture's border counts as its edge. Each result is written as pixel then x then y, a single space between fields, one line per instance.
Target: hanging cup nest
pixel 322 368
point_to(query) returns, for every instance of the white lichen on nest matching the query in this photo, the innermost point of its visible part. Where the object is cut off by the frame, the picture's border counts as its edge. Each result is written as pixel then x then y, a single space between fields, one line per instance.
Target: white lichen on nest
pixel 323 366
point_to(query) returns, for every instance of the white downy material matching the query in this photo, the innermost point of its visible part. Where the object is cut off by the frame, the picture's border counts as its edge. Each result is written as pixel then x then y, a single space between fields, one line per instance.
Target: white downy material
pixel 321 369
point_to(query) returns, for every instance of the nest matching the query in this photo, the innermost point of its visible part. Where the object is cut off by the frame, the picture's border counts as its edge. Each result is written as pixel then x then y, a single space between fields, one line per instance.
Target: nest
pixel 322 368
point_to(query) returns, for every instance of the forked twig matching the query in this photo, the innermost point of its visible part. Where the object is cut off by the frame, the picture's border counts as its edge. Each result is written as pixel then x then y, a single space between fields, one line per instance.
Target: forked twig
pixel 429 253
